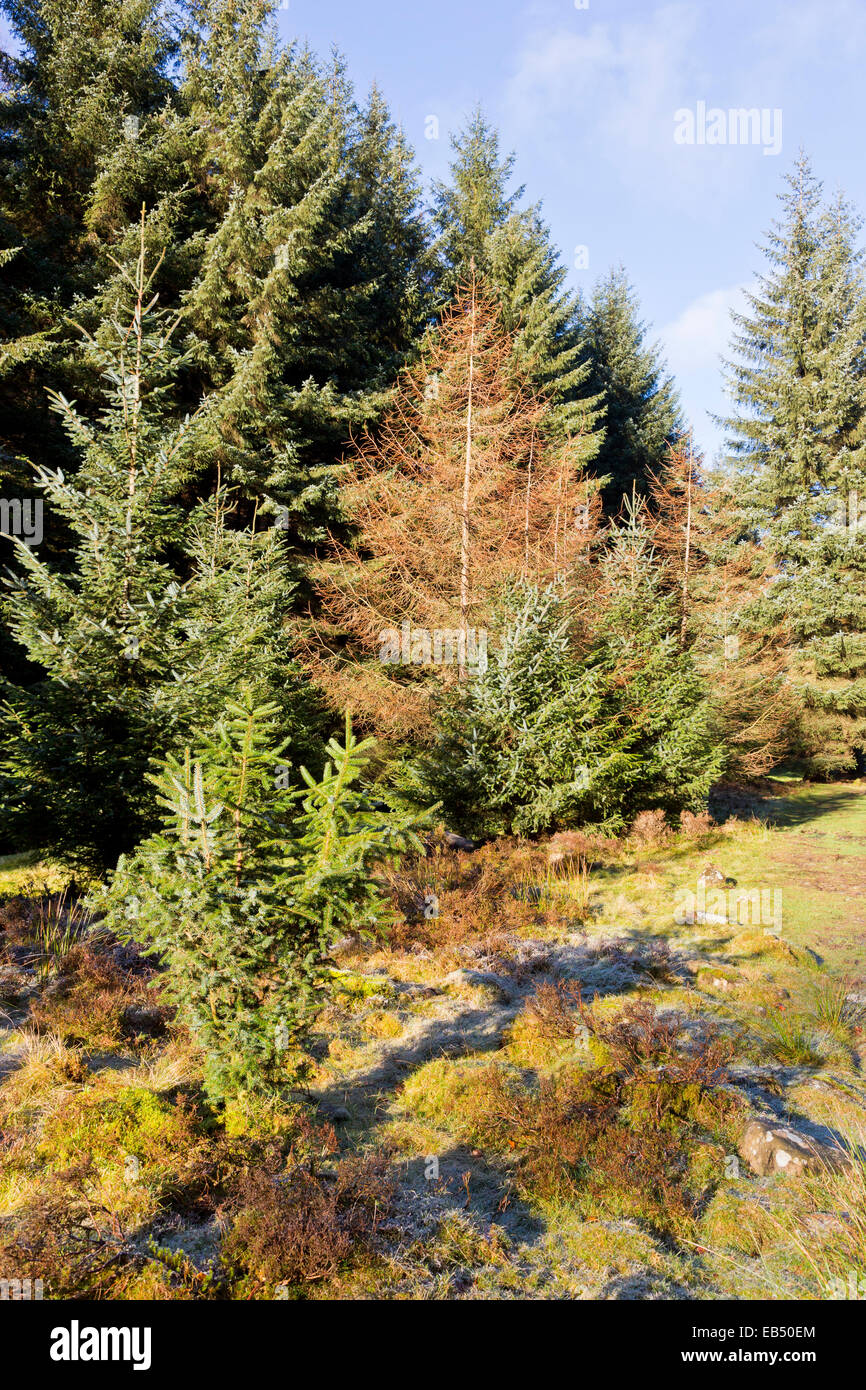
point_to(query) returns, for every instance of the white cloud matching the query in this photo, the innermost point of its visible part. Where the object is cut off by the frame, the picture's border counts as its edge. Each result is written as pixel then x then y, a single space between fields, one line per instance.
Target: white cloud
pixel 693 344
pixel 611 86
pixel 701 333
pixel 610 82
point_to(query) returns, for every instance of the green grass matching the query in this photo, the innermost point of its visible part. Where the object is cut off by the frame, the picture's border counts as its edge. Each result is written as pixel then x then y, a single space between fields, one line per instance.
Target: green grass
pixel 813 851
pixel 29 874
pixel 493 1223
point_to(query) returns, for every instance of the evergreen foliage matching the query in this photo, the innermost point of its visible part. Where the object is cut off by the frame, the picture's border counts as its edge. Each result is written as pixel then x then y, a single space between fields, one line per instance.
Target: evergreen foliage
pixel 529 743
pixel 554 735
pixel 290 218
pixel 655 680
pixel 478 220
pixel 298 253
pixel 153 620
pixel 799 436
pixel 641 411
pixel 80 71
pixel 246 887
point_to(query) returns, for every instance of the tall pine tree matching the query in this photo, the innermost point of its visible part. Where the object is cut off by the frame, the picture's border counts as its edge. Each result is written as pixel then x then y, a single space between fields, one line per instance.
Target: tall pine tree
pixel 641 414
pixel 476 218
pixel 798 431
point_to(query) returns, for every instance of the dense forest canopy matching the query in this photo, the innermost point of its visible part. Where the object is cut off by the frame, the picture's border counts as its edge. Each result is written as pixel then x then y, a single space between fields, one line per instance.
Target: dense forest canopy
pixel 270 402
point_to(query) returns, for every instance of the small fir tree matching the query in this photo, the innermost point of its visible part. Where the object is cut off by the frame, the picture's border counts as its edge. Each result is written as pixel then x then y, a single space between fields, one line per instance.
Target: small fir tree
pixel 245 888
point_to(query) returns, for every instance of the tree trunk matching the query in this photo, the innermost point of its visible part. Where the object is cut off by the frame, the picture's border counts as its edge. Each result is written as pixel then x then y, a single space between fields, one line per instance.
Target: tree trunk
pixel 687 556
pixel 467 474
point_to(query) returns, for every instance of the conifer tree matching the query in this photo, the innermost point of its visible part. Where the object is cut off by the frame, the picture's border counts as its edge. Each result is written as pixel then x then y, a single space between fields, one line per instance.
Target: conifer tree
pixel 745 663
pixel 247 885
pixel 474 203
pixel 716 578
pixel 125 639
pixel 477 219
pixel 83 67
pixel 81 70
pixel 458 490
pixel 798 384
pixel 641 412
pixel 293 245
pixel 533 742
pixel 298 253
pixel 659 688
pixel 570 726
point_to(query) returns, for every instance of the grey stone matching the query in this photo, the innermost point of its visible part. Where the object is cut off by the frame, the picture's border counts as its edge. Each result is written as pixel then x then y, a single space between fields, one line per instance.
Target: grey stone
pixel 338 1113
pixel 457 841
pixel 771 1147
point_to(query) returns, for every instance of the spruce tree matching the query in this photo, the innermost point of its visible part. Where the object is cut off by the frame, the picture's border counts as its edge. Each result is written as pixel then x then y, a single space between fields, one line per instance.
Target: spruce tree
pixel 798 384
pixel 569 725
pixel 82 71
pixel 246 886
pixel 294 248
pixel 301 314
pixel 745 661
pixel 715 577
pixel 658 687
pixel 139 638
pixel 477 219
pixel 641 412
pixel 297 253
pixel 533 742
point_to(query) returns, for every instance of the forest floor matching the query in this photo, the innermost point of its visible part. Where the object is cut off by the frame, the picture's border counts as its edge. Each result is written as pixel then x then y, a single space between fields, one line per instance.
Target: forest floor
pixel 537 1086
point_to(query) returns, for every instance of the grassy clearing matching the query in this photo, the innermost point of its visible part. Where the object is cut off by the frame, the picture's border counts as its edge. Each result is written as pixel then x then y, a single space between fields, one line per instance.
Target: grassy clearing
pixel 536 1090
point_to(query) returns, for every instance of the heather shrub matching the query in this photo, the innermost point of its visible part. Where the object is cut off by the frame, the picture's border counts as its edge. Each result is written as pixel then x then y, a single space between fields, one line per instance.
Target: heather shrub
pixel 694 826
pixel 300 1227
pixel 650 828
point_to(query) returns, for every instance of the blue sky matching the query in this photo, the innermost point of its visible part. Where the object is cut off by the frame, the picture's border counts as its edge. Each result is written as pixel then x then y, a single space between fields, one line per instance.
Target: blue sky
pixel 586 98
pixel 586 95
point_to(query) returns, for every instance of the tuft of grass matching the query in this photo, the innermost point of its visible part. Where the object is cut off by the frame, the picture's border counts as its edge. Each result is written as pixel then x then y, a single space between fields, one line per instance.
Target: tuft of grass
pixel 61 923
pixel 825 1230
pixel 790 1037
pixel 837 1006
pixel 458 1245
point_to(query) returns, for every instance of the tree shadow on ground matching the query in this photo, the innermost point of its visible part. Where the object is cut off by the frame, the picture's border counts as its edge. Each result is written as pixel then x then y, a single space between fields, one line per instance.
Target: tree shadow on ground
pixel 789 812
